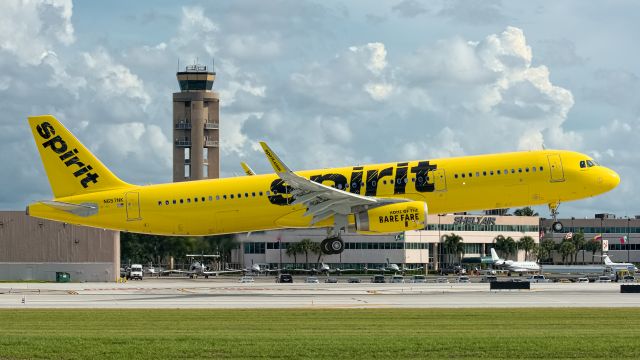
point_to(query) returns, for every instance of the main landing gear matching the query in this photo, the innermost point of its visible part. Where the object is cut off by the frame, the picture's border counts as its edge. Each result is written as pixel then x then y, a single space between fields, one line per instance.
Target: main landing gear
pixel 332 245
pixel 557 225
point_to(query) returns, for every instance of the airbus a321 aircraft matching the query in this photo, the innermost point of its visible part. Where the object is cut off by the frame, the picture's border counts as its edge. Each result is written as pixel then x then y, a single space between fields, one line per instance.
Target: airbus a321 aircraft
pixel 369 199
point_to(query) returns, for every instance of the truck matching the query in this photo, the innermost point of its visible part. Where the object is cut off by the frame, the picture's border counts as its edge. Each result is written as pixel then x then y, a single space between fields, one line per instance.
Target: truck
pixel 537 279
pixel 135 272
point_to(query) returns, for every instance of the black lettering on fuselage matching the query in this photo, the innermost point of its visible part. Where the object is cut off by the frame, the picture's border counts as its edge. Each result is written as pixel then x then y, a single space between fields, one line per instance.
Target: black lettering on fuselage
pixel 339 180
pixel 355 183
pixel 422 172
pixel 279 189
pixel 400 179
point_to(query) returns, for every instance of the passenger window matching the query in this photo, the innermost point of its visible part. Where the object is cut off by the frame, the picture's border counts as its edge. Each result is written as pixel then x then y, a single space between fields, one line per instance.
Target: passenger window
pixel 491 172
pixel 159 203
pixel 519 170
pixel 239 196
pixel 455 176
pixel 224 197
pixel 188 200
pixel 478 173
pixel 462 175
pixel 203 199
pixel 513 171
pixel 210 198
pixel 231 196
pixel 181 201
pixel 506 172
pixel 583 164
pixel 484 173
pixel 498 172
pixel 246 195
pixel 195 199
pixel 260 193
pixel 253 194
pixel 166 202
pixel 268 193
pixel 533 169
pixel 217 197
pixel 541 168
pixel 174 202
pixel 470 174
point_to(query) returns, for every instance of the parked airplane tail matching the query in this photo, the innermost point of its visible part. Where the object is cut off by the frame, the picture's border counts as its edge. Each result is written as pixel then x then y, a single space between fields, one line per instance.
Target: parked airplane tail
pixel 71 168
pixel 494 255
pixel 607 260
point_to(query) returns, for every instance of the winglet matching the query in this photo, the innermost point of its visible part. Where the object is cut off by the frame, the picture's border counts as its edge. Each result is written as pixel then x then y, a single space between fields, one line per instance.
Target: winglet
pixel 247 169
pixel 275 161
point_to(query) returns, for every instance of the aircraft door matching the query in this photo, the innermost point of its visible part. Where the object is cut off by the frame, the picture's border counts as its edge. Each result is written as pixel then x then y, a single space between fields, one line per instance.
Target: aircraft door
pixel 132 200
pixel 439 179
pixel 555 167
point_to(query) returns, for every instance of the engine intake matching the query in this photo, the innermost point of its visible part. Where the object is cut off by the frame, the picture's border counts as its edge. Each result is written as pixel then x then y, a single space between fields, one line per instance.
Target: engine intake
pixel 392 218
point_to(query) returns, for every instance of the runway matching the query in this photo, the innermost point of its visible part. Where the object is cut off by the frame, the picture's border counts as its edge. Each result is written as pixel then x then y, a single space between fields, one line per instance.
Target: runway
pixel 224 293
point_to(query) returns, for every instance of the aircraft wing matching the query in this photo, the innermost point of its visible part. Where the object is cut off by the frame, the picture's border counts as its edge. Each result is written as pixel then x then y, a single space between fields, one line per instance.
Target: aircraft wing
pixel 220 272
pixel 321 201
pixel 247 170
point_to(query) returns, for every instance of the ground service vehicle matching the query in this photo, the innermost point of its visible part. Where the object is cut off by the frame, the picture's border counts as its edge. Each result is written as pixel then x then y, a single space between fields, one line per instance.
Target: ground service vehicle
pixel 378 279
pixel 135 272
pixel 538 279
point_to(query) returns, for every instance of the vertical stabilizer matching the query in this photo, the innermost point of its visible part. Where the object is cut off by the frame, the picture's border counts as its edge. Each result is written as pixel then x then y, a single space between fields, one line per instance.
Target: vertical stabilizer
pixel 71 168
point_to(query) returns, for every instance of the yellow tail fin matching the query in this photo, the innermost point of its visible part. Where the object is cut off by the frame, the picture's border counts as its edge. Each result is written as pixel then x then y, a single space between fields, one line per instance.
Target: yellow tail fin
pixel 71 168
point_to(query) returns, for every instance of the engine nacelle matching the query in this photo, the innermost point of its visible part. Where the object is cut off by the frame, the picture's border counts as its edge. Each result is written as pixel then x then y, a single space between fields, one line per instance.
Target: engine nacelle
pixel 392 218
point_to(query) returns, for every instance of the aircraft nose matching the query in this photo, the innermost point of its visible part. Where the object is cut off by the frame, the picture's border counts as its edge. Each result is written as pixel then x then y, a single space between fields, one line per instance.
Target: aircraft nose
pixel 609 179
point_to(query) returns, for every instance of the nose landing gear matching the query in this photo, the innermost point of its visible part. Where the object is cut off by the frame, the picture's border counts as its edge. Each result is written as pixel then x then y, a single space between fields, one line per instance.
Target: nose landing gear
pixel 557 225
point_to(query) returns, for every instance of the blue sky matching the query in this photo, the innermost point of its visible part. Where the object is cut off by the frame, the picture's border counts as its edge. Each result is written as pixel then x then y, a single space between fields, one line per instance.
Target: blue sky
pixel 326 83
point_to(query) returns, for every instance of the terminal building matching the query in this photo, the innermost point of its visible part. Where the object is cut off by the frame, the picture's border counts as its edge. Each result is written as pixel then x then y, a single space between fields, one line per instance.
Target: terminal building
pixel 414 249
pixel 619 237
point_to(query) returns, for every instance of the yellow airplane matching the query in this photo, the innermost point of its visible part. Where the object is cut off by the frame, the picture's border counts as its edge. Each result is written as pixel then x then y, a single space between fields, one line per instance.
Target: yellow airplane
pixel 369 199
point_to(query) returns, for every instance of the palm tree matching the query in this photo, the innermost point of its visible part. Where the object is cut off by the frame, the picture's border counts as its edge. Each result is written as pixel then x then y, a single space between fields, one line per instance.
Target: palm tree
pixel 567 248
pixel 305 247
pixel 525 211
pixel 453 246
pixel 293 250
pixel 547 246
pixel 316 249
pixel 527 244
pixel 507 246
pixel 594 246
pixel 579 242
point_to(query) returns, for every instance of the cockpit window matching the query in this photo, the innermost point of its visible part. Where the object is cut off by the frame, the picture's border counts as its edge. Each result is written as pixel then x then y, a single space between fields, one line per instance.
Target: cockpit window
pixel 583 164
pixel 590 163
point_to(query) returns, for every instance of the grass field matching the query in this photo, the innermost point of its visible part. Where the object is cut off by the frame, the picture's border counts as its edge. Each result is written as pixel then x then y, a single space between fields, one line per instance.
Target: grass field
pixel 321 334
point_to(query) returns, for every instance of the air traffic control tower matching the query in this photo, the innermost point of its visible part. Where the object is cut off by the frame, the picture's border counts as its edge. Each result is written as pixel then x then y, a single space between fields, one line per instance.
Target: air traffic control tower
pixel 196 127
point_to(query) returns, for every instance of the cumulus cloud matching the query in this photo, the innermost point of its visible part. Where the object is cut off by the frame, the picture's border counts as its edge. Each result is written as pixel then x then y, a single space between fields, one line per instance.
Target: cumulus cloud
pixel 409 8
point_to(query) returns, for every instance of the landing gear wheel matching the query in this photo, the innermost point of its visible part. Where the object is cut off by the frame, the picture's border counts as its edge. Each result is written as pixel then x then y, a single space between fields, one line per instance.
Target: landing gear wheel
pixel 332 246
pixel 557 226
pixel 336 245
pixel 324 246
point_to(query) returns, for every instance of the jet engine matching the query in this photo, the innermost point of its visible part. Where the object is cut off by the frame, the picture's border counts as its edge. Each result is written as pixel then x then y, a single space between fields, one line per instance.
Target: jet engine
pixel 392 218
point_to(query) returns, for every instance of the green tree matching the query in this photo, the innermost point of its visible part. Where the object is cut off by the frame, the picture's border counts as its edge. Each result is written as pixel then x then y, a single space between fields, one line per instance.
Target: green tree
pixel 579 242
pixel 453 246
pixel 545 250
pixel 305 247
pixel 526 243
pixel 293 249
pixel 594 246
pixel 505 245
pixel 525 211
pixel 567 248
pixel 316 249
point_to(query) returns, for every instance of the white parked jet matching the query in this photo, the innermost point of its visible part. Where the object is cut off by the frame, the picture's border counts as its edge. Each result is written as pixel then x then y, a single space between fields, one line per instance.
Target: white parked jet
pixel 514 266
pixel 619 266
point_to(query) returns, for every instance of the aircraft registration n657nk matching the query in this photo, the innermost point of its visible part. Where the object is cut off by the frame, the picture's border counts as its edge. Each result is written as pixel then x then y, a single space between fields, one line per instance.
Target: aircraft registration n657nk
pixel 370 199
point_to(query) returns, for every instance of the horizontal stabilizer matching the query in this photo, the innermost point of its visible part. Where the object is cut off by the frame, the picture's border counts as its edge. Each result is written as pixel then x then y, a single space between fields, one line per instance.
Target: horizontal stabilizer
pixel 84 209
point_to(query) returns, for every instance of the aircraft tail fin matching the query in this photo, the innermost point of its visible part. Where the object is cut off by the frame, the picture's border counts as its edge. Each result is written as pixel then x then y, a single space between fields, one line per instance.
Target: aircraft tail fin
pixel 71 168
pixel 607 260
pixel 494 255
